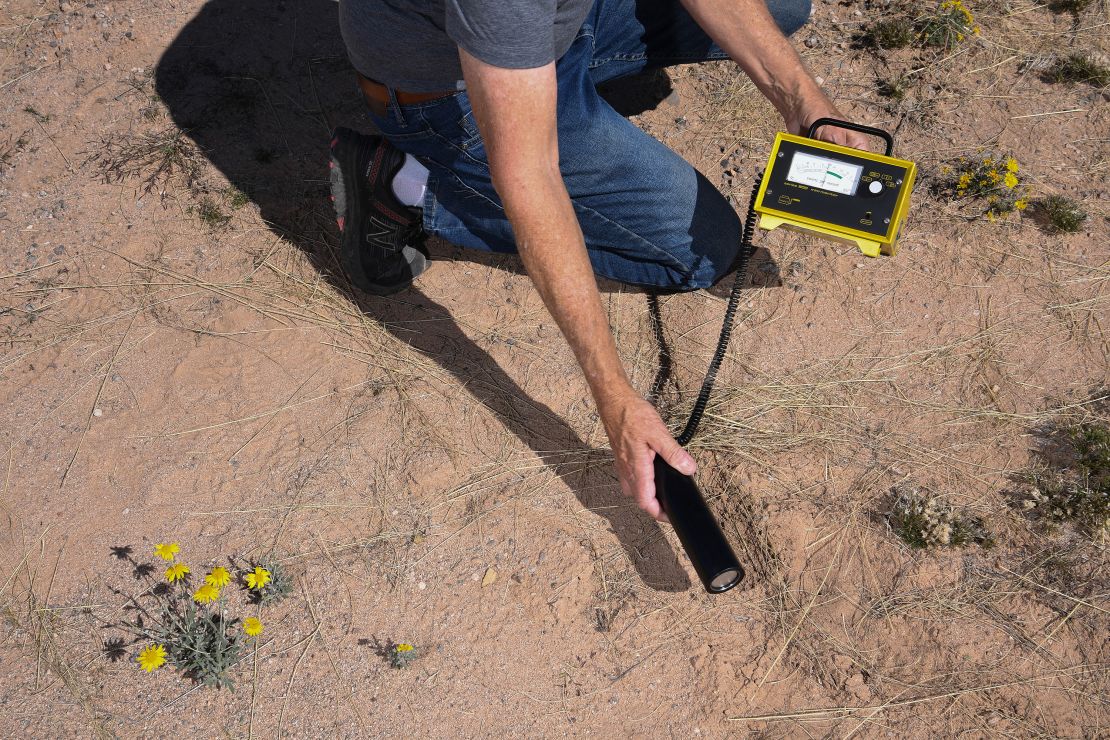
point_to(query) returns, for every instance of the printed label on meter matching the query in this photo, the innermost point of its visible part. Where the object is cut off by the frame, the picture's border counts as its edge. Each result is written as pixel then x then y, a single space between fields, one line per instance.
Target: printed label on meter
pixel 822 172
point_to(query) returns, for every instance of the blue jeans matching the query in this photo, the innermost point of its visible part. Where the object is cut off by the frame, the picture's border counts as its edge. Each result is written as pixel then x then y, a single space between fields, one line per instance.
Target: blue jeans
pixel 648 217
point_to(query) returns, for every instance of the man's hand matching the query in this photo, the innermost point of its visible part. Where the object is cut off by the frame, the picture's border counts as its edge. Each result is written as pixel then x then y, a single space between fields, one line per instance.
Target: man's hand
pixel 800 113
pixel 637 435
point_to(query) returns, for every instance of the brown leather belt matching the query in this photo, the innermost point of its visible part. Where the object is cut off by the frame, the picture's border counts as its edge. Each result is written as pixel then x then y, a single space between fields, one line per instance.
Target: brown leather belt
pixel 377 96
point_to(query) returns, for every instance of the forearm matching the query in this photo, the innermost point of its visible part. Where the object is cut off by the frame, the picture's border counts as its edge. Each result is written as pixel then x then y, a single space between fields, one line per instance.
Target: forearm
pixel 749 35
pixel 550 244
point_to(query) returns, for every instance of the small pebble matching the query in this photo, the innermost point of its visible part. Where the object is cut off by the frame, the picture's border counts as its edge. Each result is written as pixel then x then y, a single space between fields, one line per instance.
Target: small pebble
pixel 98 412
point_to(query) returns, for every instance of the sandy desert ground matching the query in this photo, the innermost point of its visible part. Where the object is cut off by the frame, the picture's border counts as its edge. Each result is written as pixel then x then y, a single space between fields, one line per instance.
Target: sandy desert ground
pixel 182 359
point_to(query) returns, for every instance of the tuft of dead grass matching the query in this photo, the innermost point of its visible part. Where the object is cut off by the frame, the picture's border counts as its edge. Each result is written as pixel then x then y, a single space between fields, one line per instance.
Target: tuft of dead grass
pixel 158 160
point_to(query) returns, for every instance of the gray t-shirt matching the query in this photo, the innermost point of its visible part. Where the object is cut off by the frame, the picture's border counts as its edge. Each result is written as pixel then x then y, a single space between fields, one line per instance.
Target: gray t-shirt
pixel 413 45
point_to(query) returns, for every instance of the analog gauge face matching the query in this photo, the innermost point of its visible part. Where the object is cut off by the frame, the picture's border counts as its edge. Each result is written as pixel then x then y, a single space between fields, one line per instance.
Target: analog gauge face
pixel 824 173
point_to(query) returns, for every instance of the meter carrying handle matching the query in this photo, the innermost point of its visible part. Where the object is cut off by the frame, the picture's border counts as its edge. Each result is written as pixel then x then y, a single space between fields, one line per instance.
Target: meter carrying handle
pixel 853 127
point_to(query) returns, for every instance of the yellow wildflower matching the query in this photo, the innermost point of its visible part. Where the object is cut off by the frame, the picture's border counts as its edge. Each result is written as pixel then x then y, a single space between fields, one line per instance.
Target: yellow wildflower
pixel 152 657
pixel 218 577
pixel 258 579
pixel 1021 205
pixel 965 181
pixel 994 176
pixel 253 626
pixel 206 594
pixel 404 647
pixel 1011 180
pixel 1011 164
pixel 991 217
pixel 177 572
pixel 167 552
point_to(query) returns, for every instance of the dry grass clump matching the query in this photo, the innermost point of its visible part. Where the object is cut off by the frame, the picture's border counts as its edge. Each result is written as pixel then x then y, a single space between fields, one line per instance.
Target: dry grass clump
pixel 159 158
pixel 1059 213
pixel 8 150
pixel 894 88
pixel 924 521
pixel 1078 67
pixel 889 33
pixel 1071 6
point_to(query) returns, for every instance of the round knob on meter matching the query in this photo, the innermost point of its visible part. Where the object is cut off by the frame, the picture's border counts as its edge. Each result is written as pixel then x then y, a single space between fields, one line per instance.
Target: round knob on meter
pixel 875 187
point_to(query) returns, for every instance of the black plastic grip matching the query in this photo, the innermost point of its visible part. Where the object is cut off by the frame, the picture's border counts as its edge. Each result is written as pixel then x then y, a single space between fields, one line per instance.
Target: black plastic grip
pixel 697 529
pixel 853 127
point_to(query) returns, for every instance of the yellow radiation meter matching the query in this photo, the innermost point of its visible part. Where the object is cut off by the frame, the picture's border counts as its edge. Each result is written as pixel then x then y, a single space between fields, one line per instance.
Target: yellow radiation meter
pixel 836 192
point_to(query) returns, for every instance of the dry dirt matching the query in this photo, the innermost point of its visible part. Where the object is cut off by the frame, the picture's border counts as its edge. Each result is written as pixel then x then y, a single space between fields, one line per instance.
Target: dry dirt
pixel 181 359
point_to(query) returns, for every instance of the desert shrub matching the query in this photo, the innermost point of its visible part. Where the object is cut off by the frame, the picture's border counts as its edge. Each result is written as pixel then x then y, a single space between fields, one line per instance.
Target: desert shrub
pixel 1060 213
pixel 944 26
pixel 1078 67
pixel 1073 488
pixel 924 521
pixel 184 624
pixel 993 184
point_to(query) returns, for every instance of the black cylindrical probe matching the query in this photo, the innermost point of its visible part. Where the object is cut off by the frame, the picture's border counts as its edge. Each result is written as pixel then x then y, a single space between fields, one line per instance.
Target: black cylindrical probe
pixel 697 529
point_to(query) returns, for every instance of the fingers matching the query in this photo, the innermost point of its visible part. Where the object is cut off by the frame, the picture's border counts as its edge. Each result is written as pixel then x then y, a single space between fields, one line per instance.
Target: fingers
pixel 672 452
pixel 844 138
pixel 643 483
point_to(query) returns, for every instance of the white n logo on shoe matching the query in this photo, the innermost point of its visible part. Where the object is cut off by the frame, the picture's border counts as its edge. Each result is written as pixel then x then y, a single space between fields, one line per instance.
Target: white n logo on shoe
pixel 380 234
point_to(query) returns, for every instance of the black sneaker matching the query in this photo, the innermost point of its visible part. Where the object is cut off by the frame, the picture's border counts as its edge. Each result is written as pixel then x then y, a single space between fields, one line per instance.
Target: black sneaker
pixel 382 239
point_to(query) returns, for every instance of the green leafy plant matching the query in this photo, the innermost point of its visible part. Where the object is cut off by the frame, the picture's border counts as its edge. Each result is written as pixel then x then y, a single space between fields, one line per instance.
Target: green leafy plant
pixel 1053 498
pixel 275 585
pixel 186 627
pixel 200 642
pixel 236 198
pixel 209 211
pixel 402 654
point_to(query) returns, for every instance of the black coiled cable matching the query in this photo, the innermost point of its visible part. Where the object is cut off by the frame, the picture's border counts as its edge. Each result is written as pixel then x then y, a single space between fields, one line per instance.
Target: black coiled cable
pixel 746 250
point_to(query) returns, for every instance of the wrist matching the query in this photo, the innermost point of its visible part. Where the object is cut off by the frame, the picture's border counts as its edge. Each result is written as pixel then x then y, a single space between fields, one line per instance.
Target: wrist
pixel 614 398
pixel 802 105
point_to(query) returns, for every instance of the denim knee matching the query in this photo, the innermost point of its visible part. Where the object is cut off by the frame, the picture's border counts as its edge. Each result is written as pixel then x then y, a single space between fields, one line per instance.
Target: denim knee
pixel 790 15
pixel 714 239
pixel 726 247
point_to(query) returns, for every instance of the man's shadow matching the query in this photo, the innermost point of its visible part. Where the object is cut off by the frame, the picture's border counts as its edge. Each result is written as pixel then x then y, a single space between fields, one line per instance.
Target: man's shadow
pixel 258 85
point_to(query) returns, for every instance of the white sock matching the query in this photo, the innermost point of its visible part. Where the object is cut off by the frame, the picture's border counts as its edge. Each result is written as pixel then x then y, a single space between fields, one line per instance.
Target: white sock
pixel 410 182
